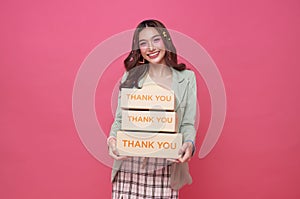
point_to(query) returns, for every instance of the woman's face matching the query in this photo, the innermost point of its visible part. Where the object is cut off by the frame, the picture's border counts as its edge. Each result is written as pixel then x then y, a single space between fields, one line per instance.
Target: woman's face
pixel 152 46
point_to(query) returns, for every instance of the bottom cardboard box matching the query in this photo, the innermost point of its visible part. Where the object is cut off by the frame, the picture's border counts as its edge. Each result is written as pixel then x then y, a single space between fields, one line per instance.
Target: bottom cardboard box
pixel 149 144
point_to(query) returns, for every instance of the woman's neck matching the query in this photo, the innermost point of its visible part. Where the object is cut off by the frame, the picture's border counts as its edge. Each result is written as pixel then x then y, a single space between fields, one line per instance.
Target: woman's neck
pixel 159 70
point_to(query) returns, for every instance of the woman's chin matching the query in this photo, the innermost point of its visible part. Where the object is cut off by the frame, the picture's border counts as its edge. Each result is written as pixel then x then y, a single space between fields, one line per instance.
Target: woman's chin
pixel 157 62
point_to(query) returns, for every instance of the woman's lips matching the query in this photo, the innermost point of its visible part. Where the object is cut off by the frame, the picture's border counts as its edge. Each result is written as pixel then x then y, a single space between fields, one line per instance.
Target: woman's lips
pixel 153 55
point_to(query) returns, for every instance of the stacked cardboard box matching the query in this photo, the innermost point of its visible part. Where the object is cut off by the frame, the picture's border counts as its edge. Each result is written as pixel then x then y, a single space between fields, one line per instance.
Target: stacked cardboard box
pixel 149 123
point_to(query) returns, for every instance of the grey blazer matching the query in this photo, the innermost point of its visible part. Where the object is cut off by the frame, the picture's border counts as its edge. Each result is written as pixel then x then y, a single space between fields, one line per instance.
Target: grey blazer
pixel 185 89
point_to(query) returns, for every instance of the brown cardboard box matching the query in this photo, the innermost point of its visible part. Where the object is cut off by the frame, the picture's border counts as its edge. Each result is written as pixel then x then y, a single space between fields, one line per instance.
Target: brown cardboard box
pixel 149 97
pixel 162 145
pixel 149 121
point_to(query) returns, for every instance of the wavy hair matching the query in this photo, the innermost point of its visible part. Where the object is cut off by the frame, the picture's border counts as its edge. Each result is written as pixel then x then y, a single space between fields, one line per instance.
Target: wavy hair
pixel 137 70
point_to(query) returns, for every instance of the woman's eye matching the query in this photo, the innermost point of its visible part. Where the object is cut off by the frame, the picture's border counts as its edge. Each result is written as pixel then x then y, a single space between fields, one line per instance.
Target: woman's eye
pixel 157 39
pixel 143 44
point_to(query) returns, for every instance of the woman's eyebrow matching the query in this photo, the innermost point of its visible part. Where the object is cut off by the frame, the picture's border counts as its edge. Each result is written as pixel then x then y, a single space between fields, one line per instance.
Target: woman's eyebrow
pixel 155 36
pixel 151 38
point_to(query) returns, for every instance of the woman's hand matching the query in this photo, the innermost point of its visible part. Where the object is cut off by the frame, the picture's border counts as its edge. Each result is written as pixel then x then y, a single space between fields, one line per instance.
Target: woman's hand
pixel 173 160
pixel 113 151
pixel 186 152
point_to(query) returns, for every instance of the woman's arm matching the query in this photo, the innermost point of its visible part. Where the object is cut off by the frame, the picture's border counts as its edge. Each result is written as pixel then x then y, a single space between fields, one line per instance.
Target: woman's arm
pixel 116 126
pixel 187 127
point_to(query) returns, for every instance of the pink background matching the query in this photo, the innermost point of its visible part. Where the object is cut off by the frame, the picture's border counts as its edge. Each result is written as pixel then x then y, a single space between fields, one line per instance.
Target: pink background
pixel 255 45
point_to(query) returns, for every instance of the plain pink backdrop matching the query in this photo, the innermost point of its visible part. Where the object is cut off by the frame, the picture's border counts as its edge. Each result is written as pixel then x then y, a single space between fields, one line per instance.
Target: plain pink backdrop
pixel 255 45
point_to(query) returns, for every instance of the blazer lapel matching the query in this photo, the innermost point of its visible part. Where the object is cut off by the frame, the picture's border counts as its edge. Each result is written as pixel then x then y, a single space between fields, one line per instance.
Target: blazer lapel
pixel 179 84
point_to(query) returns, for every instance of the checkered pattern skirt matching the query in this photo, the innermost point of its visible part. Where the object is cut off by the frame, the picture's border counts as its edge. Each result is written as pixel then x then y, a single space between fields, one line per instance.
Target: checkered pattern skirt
pixel 143 178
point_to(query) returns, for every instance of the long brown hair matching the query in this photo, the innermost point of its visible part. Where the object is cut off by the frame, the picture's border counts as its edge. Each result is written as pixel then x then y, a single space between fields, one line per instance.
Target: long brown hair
pixel 137 70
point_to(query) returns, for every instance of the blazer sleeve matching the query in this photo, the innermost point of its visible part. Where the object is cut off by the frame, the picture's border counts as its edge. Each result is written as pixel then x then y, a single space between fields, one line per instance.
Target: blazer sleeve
pixel 187 127
pixel 116 125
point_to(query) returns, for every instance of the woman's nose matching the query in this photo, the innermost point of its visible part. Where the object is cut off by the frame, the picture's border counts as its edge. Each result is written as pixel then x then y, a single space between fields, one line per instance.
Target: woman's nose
pixel 151 46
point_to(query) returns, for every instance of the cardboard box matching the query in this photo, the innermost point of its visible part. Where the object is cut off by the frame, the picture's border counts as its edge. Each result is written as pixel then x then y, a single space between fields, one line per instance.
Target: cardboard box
pixel 149 121
pixel 161 145
pixel 149 97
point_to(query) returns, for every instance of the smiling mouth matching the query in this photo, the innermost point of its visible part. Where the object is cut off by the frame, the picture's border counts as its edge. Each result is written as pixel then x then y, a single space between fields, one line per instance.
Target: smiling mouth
pixel 153 55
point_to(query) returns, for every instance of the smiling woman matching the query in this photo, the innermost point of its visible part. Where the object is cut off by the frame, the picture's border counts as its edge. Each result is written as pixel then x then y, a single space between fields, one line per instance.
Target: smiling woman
pixel 155 40
pixel 152 46
pixel 153 58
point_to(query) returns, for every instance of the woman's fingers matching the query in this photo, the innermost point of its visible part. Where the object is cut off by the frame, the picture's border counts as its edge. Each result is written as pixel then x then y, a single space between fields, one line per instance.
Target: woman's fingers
pixel 113 151
pixel 186 157
pixel 117 157
pixel 173 160
pixel 113 147
pixel 185 152
pixel 182 149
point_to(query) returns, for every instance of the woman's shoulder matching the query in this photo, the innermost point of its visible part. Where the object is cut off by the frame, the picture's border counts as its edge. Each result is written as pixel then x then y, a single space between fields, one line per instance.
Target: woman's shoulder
pixel 124 76
pixel 187 73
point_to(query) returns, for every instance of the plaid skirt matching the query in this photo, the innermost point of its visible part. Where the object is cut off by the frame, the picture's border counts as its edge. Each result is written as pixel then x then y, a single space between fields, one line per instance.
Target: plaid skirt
pixel 143 178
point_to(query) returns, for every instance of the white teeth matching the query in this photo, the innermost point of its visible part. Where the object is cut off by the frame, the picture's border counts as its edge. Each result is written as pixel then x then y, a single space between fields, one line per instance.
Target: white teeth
pixel 153 54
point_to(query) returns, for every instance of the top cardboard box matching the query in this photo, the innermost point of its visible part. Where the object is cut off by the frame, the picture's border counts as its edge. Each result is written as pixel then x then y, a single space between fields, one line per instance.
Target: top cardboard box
pixel 151 97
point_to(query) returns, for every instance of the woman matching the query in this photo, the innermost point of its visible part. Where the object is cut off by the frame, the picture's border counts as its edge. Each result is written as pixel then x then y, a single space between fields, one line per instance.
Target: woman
pixel 153 58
